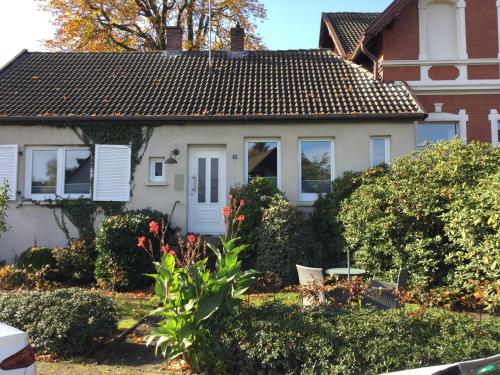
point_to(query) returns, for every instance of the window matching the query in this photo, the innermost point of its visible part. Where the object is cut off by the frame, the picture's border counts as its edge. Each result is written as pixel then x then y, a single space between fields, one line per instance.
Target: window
pixel 157 170
pixel 429 133
pixel 379 151
pixel 316 168
pixel 53 172
pixel 262 159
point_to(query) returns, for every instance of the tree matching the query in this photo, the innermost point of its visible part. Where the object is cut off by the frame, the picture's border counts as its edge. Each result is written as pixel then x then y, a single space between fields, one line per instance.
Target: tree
pixel 140 25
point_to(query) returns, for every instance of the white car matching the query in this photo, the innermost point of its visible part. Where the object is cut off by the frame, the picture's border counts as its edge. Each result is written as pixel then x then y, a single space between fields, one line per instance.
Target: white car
pixel 16 354
pixel 485 366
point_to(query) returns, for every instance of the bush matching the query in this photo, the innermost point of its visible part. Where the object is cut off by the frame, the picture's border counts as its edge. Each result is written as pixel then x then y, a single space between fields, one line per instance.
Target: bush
pixel 473 224
pixel 35 258
pixel 280 339
pixel 400 218
pixel 327 228
pixel 257 195
pixel 284 240
pixel 120 263
pixel 64 322
pixel 75 263
pixel 4 197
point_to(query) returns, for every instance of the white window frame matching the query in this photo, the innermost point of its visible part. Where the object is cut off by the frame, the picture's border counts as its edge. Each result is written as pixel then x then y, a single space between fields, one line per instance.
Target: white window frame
pixel 263 140
pixel 60 175
pixel 387 149
pixel 311 197
pixel 157 180
pixel 494 118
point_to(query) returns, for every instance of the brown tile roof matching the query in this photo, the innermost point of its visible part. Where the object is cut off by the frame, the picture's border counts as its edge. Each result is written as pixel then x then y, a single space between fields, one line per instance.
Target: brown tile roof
pixel 179 86
pixel 350 27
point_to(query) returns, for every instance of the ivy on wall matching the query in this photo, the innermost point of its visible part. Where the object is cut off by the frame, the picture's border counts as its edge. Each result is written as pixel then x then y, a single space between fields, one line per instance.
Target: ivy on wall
pixel 83 212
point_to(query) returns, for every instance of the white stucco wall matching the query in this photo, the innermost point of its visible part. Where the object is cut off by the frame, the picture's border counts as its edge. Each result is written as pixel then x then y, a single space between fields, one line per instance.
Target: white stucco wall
pixel 352 152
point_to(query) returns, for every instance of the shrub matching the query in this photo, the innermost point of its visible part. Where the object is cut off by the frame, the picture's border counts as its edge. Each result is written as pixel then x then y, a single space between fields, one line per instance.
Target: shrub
pixel 35 258
pixel 400 218
pixel 284 240
pixel 327 228
pixel 280 339
pixel 64 322
pixel 473 224
pixel 257 195
pixel 75 263
pixel 4 197
pixel 11 278
pixel 120 263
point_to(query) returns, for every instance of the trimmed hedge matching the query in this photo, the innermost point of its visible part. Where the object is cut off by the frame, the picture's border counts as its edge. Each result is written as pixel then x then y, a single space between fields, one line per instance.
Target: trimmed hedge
pixel 279 339
pixel 64 322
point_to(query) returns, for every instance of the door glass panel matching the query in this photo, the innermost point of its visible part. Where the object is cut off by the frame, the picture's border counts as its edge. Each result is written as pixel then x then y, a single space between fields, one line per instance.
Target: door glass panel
pixel 77 172
pixel 378 151
pixel 263 160
pixel 214 180
pixel 428 133
pixel 316 167
pixel 44 172
pixel 202 175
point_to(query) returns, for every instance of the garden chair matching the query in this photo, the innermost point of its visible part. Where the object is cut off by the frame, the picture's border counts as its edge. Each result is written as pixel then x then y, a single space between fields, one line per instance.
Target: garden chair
pixel 306 275
pixel 382 291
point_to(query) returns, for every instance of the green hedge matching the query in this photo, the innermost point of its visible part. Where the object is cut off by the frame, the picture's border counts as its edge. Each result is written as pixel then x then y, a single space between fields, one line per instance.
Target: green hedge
pixel 279 339
pixel 35 258
pixel 284 240
pixel 4 197
pixel 120 264
pixel 64 322
pixel 417 216
pixel 327 228
pixel 257 195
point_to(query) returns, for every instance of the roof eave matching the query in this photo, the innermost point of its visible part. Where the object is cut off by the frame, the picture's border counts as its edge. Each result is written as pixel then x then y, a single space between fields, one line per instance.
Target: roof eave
pixel 55 120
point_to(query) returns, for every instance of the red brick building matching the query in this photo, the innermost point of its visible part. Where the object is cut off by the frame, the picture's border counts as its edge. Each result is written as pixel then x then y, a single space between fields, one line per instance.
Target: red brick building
pixel 447 51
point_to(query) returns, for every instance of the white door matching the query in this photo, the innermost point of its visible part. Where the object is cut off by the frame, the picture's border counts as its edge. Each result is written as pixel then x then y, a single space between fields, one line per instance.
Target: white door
pixel 207 190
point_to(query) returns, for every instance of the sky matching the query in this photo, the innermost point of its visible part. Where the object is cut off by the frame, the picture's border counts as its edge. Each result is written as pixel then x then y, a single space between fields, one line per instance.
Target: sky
pixel 290 24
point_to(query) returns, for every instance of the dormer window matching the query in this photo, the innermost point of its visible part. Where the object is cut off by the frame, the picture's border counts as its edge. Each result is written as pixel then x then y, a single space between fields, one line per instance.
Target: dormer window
pixel 442 30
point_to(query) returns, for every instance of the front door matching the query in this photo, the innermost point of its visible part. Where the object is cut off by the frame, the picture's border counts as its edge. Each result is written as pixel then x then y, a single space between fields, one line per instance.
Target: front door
pixel 207 190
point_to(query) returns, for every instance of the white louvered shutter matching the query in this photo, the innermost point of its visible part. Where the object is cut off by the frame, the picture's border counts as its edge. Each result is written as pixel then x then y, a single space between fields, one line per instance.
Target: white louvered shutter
pixel 8 168
pixel 112 173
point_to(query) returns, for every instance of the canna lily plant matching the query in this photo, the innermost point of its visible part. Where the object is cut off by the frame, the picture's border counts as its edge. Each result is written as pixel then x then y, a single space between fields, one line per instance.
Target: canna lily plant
pixel 191 296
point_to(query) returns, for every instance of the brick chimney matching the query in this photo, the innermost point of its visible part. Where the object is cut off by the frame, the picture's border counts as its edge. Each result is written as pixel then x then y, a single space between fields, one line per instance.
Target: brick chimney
pixel 237 38
pixel 174 38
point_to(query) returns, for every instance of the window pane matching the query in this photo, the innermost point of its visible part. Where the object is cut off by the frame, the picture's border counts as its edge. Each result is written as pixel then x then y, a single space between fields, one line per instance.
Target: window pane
pixel 432 133
pixel 498 132
pixel 44 172
pixel 378 151
pixel 77 172
pixel 214 181
pixel 263 160
pixel 202 175
pixel 316 166
pixel 158 169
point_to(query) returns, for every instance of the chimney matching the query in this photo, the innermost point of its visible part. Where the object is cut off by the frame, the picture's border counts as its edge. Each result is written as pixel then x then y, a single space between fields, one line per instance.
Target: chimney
pixel 174 38
pixel 237 38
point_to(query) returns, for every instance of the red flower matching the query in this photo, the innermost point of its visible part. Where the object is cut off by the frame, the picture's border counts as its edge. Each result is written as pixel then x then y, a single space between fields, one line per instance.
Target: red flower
pixel 165 248
pixel 226 211
pixel 241 218
pixel 172 253
pixel 140 241
pixel 191 238
pixel 154 227
pixel 242 202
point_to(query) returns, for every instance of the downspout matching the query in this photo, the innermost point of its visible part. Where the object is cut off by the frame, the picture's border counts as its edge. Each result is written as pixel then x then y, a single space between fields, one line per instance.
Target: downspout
pixel 371 56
